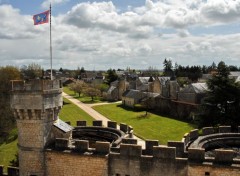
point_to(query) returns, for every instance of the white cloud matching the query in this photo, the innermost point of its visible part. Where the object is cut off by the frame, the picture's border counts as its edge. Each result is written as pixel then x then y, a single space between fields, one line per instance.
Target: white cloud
pixel 97 35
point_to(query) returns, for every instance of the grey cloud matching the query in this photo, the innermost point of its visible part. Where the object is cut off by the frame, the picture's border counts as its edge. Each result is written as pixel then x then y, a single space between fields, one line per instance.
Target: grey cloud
pixel 221 11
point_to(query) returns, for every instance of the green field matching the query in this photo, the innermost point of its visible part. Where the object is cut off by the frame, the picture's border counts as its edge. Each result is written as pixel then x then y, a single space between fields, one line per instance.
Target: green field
pixel 8 149
pixel 151 127
pixel 72 113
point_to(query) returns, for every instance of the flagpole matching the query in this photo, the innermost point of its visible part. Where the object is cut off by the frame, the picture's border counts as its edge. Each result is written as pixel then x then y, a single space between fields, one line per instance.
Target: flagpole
pixel 51 40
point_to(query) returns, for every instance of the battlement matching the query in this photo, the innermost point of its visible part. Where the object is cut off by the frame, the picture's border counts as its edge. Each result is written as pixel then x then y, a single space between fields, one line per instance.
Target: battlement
pixel 11 171
pixel 191 148
pixel 44 86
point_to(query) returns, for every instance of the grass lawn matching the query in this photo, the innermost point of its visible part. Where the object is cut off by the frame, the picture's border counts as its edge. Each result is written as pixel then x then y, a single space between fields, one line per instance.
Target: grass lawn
pixel 151 127
pixel 83 98
pixel 71 112
pixel 8 149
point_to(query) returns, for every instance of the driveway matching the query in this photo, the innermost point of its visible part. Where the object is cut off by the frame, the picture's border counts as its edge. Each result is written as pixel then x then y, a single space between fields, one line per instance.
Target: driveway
pixel 96 115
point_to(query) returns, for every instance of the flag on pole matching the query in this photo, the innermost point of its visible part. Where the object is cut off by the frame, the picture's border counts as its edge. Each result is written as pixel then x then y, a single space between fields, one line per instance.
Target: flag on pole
pixel 41 18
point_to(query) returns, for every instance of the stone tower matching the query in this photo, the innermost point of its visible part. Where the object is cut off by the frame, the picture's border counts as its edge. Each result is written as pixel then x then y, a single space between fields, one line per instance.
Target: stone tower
pixel 36 106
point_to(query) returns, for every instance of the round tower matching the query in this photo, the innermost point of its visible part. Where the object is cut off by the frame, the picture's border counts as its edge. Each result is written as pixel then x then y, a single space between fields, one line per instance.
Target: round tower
pixel 36 105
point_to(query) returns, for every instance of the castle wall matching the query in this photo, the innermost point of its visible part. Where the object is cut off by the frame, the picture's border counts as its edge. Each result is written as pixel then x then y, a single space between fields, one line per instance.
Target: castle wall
pixel 162 162
pixel 200 170
pixel 72 164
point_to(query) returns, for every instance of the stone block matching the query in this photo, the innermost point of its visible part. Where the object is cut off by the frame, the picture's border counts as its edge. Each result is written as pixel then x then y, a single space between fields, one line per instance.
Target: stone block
pixel 102 147
pixel 81 123
pixel 164 152
pixel 129 141
pixel 196 155
pixel 224 129
pixel 112 124
pixel 179 147
pixel 124 127
pixel 97 123
pixel 193 134
pixel 207 130
pixel 224 157
pixel 149 146
pixel 130 150
pixel 61 143
pixel 81 145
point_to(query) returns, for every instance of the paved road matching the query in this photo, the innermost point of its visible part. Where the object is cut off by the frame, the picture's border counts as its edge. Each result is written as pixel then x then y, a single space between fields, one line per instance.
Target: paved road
pixel 88 109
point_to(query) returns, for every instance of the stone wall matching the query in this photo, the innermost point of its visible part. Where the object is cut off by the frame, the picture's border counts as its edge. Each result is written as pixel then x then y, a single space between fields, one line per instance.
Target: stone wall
pixel 71 164
pixel 131 161
pixel 31 162
pixel 209 170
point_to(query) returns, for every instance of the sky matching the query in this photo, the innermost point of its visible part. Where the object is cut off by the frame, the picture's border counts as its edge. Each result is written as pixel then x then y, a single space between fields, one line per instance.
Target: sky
pixel 139 34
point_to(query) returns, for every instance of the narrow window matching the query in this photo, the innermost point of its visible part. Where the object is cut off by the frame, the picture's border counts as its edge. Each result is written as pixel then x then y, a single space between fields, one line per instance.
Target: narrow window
pixel 207 173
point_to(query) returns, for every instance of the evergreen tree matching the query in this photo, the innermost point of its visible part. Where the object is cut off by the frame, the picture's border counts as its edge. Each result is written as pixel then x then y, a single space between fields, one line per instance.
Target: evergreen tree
pixel 223 98
pixel 111 76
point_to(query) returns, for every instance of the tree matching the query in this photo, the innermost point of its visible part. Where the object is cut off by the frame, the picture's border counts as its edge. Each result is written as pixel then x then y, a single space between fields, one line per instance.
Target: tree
pixel 167 65
pixel 6 115
pixel 111 76
pixel 102 88
pixel 167 71
pixel 32 71
pixel 78 87
pixel 91 92
pixel 223 99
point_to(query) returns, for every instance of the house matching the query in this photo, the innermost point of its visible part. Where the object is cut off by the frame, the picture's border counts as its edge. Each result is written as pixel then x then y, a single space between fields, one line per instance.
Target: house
pixel 111 94
pixel 116 90
pixel 132 97
pixel 67 81
pixel 159 84
pixel 143 83
pixel 193 93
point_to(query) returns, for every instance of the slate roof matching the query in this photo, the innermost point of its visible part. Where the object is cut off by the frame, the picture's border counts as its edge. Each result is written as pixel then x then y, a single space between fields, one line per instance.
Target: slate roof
pixel 111 88
pixel 144 80
pixel 235 73
pixel 163 80
pixel 200 87
pixel 61 125
pixel 133 94
pixel 238 79
pixel 195 88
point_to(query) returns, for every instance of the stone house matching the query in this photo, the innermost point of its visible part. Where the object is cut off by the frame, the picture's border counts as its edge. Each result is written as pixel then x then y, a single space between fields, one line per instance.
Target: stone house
pixel 143 84
pixel 193 93
pixel 158 84
pixel 132 97
pixel 116 90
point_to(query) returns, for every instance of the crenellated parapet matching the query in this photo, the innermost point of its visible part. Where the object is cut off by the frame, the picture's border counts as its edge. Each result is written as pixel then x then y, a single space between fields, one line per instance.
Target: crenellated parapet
pixel 215 146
